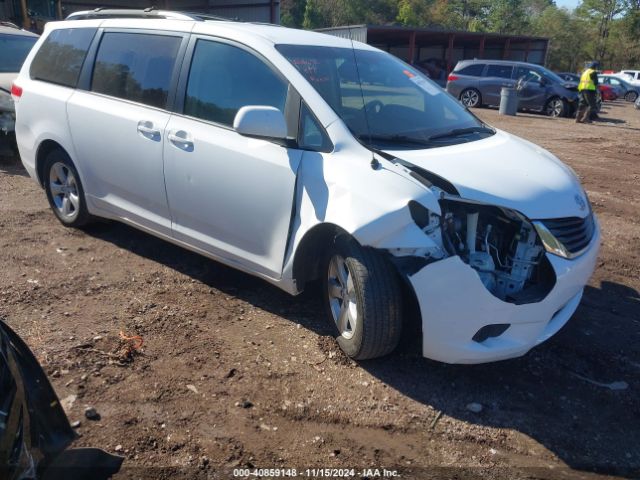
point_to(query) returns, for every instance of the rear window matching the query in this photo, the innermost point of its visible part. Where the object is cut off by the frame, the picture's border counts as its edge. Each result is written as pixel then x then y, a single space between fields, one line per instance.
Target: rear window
pixel 500 71
pixel 59 59
pixel 13 50
pixel 136 67
pixel 474 70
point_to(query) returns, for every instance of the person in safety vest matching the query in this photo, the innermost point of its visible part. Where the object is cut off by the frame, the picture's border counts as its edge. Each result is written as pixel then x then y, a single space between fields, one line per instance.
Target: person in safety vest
pixel 588 88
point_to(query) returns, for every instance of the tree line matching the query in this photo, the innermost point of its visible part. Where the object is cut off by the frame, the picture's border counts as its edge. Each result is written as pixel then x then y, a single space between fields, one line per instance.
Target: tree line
pixel 603 30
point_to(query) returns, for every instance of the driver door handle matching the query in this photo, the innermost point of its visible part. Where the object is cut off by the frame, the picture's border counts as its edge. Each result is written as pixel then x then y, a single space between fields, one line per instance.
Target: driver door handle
pixel 181 139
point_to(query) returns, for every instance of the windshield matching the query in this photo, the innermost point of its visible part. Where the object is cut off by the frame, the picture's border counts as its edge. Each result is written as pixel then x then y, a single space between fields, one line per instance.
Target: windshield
pixel 384 102
pixel 13 50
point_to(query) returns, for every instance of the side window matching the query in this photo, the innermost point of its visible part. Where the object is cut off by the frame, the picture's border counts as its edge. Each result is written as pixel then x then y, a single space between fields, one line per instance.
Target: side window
pixel 59 59
pixel 311 134
pixel 224 78
pixel 474 70
pixel 500 71
pixel 524 74
pixel 136 67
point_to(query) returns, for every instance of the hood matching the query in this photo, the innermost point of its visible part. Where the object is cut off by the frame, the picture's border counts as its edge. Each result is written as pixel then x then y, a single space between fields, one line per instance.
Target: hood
pixel 507 171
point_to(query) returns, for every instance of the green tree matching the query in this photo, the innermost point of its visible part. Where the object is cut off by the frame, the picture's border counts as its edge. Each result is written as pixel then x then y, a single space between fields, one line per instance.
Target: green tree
pixel 413 12
pixel 601 15
pixel 313 17
pixel 292 12
pixel 568 37
pixel 507 16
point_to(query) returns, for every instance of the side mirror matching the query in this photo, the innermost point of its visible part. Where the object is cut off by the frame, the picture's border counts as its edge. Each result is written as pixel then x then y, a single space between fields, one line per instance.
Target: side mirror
pixel 261 122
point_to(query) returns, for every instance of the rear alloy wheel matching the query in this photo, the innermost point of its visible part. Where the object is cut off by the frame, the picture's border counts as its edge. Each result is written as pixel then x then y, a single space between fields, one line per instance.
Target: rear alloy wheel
pixel 363 299
pixel 631 96
pixel 556 108
pixel 470 98
pixel 64 190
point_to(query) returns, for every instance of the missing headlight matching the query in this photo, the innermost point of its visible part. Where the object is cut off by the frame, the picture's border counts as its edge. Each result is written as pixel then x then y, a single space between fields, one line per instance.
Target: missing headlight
pixel 502 246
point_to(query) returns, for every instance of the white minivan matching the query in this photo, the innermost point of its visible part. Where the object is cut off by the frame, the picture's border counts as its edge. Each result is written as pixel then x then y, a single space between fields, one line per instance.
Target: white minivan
pixel 297 156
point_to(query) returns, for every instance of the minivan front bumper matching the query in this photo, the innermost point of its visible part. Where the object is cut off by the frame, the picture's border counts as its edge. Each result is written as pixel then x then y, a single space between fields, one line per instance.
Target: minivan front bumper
pixel 455 306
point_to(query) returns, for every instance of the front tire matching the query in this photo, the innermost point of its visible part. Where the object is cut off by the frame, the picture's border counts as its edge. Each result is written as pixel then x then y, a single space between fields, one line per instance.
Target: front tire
pixel 64 190
pixel 631 96
pixel 556 107
pixel 362 299
pixel 471 98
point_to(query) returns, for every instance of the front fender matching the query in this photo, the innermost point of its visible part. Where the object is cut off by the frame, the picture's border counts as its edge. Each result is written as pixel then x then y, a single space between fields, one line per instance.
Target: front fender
pixel 368 201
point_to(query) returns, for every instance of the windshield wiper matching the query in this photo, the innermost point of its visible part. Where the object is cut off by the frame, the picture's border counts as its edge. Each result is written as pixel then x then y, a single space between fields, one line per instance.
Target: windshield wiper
pixel 458 132
pixel 396 139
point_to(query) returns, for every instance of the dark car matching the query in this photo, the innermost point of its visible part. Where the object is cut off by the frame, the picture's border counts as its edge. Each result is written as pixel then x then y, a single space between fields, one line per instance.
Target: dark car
pixel 478 82
pixel 35 433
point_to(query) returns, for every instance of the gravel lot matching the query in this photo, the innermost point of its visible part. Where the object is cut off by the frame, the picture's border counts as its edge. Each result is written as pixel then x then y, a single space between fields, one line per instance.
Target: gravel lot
pixel 235 373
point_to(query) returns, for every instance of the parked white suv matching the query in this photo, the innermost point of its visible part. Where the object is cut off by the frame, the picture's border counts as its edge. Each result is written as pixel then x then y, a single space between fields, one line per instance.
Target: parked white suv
pixel 294 156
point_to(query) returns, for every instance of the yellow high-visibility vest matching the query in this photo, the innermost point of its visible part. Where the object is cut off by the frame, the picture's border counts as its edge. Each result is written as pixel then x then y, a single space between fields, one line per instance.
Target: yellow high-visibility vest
pixel 586 83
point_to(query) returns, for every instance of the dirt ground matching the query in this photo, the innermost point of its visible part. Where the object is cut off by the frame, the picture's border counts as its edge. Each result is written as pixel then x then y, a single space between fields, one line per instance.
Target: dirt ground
pixel 234 373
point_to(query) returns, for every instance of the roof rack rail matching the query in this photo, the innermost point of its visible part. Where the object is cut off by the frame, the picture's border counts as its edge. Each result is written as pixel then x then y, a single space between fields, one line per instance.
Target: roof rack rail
pixel 149 12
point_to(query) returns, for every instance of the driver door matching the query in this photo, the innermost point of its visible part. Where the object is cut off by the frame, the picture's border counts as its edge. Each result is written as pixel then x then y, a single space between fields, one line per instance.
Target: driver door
pixel 531 88
pixel 229 195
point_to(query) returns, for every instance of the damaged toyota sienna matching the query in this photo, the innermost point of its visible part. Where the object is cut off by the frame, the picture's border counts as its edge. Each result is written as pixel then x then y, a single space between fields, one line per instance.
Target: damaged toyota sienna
pixel 296 156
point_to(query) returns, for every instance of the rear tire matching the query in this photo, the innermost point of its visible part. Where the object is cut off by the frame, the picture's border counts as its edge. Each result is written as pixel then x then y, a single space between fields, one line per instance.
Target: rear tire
pixel 631 96
pixel 471 98
pixel 64 190
pixel 362 298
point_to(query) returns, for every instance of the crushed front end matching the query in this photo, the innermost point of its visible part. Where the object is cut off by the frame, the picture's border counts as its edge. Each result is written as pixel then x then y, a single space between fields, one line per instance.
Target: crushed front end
pixel 494 283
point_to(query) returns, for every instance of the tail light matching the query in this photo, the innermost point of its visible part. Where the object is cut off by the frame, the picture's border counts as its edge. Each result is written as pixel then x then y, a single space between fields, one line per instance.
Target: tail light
pixel 452 77
pixel 16 91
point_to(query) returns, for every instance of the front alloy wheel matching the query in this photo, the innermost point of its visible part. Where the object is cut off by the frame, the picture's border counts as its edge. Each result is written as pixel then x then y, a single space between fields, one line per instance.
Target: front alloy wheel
pixel 555 107
pixel 342 297
pixel 362 298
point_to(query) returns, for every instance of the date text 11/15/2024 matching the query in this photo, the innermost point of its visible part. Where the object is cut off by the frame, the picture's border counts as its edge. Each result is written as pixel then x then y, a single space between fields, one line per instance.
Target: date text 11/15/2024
pixel 315 473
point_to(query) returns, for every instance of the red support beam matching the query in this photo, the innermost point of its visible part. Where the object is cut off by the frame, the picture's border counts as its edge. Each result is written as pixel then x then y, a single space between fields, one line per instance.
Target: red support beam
pixel 272 11
pixel 507 49
pixel 526 53
pixel 481 49
pixel 412 47
pixel 450 53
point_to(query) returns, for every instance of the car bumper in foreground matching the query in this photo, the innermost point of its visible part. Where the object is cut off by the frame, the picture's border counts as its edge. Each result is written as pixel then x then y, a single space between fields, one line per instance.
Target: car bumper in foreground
pixel 455 306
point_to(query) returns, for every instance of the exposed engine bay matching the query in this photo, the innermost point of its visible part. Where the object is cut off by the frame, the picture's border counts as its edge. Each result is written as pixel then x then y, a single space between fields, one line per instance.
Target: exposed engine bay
pixel 500 244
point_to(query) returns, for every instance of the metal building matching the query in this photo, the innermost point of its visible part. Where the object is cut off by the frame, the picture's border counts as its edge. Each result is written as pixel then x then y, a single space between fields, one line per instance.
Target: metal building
pixel 41 11
pixel 415 45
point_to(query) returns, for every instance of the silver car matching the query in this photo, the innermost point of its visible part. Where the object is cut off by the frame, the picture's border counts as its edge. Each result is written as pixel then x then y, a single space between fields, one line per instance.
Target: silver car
pixel 15 45
pixel 478 83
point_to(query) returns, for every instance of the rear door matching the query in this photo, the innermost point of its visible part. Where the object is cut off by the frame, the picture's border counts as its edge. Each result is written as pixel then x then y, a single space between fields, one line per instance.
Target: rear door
pixel 118 124
pixel 497 76
pixel 230 195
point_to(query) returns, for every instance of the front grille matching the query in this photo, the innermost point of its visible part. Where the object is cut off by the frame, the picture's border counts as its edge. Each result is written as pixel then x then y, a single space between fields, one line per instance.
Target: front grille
pixel 573 232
